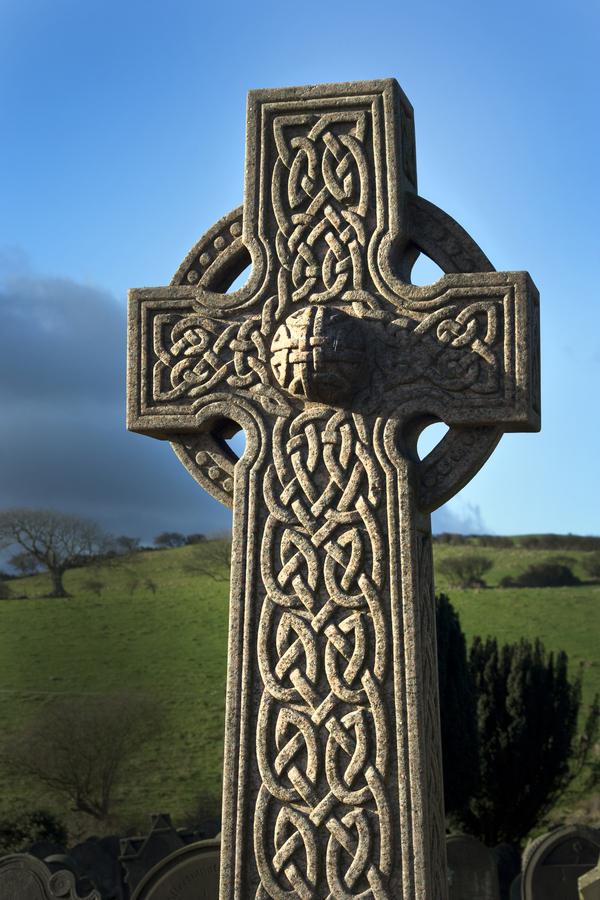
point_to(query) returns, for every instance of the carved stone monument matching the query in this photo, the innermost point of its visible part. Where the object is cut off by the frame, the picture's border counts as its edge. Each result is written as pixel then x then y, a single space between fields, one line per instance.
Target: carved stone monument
pixel 332 363
pixel 23 877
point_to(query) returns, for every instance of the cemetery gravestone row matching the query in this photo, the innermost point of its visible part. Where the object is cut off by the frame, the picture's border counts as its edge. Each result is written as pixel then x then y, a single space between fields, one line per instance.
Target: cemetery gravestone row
pixel 332 363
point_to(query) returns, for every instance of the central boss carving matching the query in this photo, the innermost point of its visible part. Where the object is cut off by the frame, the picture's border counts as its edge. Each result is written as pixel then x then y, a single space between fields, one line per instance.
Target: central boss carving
pixel 318 353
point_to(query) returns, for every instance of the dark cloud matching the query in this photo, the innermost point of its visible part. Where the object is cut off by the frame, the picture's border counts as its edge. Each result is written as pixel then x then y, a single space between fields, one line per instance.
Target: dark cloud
pixel 64 344
pixel 62 397
pixel 62 401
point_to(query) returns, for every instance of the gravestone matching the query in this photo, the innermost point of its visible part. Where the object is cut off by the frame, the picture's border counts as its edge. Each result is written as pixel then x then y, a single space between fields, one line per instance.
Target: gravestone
pixel 472 871
pixel 24 877
pixel 508 866
pixel 332 363
pixel 57 862
pixel 140 854
pixel 190 873
pixel 98 859
pixel 553 863
pixel 589 885
pixel 515 888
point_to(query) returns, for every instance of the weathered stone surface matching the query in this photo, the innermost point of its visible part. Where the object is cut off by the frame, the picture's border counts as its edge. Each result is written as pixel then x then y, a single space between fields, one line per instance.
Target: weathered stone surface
pixel 472 872
pixel 553 863
pixel 24 877
pixel 332 363
pixel 589 885
pixel 191 873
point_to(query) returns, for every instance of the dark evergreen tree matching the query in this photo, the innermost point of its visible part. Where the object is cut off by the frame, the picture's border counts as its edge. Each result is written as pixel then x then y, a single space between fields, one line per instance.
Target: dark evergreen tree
pixel 458 711
pixel 527 723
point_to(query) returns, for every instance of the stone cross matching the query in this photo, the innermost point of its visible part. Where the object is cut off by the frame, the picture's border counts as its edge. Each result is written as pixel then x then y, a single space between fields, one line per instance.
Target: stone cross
pixel 332 362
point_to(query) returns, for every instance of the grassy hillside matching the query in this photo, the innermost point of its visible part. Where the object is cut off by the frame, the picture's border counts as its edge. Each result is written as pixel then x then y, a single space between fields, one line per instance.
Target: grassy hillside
pixel 565 618
pixel 161 629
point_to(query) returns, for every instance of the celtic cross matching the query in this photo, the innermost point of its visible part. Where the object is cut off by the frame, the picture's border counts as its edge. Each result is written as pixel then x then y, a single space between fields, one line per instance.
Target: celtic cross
pixel 332 362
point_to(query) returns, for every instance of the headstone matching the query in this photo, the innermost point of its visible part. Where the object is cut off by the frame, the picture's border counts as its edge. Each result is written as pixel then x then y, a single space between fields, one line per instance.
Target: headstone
pixel 553 863
pixel 472 871
pixel 98 859
pixel 24 877
pixel 589 885
pixel 515 888
pixel 65 862
pixel 140 854
pixel 332 363
pixel 191 873
pixel 508 864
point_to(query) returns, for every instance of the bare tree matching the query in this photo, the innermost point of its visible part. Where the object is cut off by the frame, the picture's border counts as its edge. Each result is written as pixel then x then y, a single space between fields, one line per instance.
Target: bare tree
pixel 24 563
pixel 80 747
pixel 211 557
pixel 167 540
pixel 126 545
pixel 56 540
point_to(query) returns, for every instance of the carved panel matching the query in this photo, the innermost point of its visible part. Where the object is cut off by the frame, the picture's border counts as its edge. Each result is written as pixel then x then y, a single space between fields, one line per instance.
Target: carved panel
pixel 323 745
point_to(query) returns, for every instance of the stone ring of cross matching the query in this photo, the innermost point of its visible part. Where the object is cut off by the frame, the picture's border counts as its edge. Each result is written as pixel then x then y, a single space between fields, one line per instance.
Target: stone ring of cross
pixel 220 257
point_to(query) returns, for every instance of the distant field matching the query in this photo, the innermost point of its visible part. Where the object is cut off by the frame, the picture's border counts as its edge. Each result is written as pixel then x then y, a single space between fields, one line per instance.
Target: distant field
pixel 170 640
pixel 565 618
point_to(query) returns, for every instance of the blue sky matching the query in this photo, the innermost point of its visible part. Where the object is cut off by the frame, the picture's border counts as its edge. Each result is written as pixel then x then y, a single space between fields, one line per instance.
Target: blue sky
pixel 123 141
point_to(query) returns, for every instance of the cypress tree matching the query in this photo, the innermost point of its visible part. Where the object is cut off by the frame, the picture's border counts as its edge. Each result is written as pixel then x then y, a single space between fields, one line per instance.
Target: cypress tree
pixel 457 706
pixel 527 722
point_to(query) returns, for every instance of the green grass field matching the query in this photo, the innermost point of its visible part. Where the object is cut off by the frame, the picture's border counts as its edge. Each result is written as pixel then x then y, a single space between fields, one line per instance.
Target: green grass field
pixel 169 640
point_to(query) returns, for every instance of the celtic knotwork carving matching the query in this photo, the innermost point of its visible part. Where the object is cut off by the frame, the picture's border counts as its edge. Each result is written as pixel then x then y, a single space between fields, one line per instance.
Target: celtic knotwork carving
pixel 322 743
pixel 320 194
pixel 196 355
pixel 455 348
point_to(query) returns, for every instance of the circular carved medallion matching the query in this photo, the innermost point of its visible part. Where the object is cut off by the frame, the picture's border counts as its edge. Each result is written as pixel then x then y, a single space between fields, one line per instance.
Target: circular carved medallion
pixel 318 354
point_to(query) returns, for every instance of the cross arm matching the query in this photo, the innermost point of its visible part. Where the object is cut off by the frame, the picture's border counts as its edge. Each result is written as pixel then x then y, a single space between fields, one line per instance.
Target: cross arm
pixel 182 351
pixel 464 350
